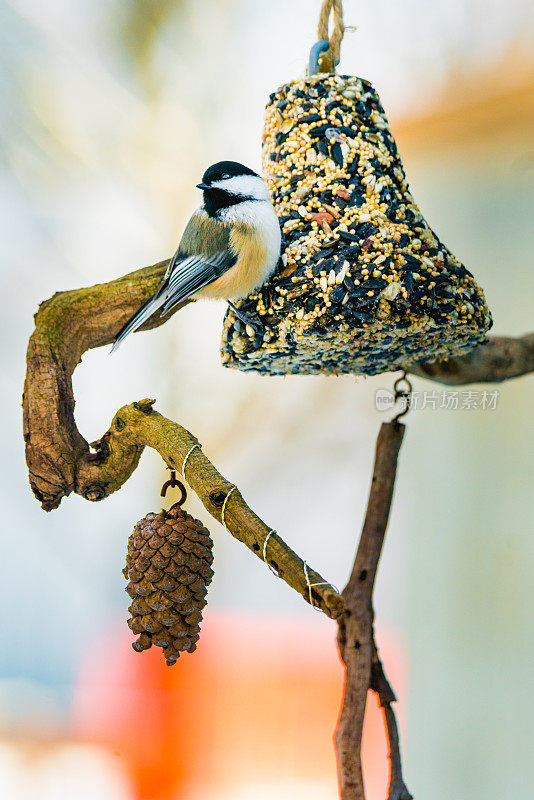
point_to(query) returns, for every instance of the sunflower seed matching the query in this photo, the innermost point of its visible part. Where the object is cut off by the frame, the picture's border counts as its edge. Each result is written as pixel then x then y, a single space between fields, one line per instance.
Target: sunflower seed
pixel 391 291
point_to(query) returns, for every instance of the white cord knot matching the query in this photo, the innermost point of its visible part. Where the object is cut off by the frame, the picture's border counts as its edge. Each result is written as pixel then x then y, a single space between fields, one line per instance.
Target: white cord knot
pixel 187 456
pixel 224 506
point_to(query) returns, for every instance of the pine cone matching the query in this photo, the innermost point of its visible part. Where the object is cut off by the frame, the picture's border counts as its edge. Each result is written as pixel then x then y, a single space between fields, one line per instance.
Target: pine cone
pixel 168 569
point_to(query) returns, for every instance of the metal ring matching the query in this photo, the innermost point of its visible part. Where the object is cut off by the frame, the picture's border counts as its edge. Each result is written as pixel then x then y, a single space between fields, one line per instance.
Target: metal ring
pixel 402 393
pixel 319 47
pixel 171 484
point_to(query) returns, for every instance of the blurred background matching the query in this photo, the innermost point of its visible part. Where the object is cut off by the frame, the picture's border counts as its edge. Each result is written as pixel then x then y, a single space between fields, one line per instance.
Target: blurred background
pixel 110 112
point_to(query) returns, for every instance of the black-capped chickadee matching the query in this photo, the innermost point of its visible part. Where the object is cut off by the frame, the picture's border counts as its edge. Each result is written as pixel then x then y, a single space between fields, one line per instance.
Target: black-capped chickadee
pixel 230 246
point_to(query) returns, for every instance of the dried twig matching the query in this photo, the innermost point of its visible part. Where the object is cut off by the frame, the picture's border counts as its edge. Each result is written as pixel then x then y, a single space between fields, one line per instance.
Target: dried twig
pixel 386 696
pixel 355 636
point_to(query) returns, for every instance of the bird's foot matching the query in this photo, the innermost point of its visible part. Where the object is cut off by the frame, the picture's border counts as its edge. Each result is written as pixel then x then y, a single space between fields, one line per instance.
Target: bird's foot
pixel 257 326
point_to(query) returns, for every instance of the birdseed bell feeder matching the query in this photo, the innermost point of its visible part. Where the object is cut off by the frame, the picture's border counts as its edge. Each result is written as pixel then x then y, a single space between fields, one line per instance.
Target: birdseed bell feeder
pixel 363 285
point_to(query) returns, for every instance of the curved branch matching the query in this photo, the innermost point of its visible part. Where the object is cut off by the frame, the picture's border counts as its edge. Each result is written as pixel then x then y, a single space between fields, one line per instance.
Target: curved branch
pixel 70 323
pixel 66 326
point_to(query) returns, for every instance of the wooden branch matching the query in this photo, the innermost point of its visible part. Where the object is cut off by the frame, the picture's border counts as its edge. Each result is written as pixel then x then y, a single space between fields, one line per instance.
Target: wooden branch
pixel 137 426
pixel 70 323
pixel 355 626
pixel 60 461
pixel 501 358
pixel 67 325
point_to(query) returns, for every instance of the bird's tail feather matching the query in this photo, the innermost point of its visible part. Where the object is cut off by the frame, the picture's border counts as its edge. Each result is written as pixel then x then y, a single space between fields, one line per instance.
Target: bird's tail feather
pixel 141 316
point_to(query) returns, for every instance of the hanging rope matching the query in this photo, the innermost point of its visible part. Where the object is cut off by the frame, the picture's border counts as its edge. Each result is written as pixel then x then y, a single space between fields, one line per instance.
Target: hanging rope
pixel 329 59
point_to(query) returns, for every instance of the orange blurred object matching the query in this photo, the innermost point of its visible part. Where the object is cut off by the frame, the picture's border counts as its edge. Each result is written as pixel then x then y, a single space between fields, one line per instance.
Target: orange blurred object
pixel 257 701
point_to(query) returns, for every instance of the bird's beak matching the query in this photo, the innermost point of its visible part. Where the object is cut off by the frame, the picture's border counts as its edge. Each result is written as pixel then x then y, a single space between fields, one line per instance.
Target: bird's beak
pixel 203 186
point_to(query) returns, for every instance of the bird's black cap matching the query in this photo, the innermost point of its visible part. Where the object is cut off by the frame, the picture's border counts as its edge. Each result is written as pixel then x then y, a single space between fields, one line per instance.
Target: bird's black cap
pixel 225 169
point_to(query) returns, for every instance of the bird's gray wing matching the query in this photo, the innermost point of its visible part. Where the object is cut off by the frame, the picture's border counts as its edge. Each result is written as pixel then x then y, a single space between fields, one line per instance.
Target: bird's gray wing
pixel 204 254
pixel 192 273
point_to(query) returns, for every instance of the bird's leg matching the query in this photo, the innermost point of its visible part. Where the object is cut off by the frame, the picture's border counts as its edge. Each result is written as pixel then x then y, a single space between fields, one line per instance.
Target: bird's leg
pixel 255 324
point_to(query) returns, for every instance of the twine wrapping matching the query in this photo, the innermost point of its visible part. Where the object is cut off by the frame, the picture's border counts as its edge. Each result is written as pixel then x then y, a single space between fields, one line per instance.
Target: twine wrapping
pixel 223 520
pixel 265 541
pixel 195 446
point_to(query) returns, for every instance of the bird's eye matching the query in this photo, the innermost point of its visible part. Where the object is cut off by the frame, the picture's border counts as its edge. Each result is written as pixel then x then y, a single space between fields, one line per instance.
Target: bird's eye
pixel 226 175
